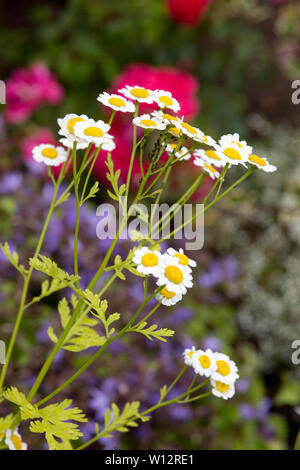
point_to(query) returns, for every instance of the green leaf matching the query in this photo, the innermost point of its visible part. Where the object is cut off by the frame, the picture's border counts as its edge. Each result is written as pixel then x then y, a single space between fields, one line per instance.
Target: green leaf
pixel 152 332
pixel 114 420
pixel 98 309
pixel 49 267
pixel 6 423
pixel 81 335
pixel 92 193
pixel 13 258
pixel 48 288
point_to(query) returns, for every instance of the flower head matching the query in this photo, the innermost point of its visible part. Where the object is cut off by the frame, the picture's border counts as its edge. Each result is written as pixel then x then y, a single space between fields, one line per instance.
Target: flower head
pixel 181 154
pixel 14 441
pixel 92 131
pixel 164 99
pixel 183 259
pixel 149 122
pixel 261 163
pixel 222 390
pixel 213 173
pixel 173 275
pixel 188 355
pixel 232 150
pixel 66 125
pixel 190 131
pixel 165 297
pixel 204 362
pixel 116 102
pixel 138 93
pixel 49 154
pixel 210 157
pixel 147 261
pixel 226 369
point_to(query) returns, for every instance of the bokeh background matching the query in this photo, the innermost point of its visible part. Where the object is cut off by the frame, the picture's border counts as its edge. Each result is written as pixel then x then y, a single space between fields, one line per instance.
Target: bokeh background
pixel 230 64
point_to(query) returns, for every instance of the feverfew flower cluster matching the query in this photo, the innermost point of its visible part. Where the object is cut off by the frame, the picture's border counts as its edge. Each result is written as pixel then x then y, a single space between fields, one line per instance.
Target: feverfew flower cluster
pixel 172 270
pixel 218 367
pixel 13 440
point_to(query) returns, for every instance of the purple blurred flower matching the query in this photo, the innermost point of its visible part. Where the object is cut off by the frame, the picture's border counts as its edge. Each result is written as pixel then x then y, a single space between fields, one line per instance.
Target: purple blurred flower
pixel 212 343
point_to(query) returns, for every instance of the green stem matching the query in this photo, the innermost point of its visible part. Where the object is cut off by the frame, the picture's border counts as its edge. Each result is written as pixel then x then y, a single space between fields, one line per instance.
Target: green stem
pixel 133 151
pixel 76 235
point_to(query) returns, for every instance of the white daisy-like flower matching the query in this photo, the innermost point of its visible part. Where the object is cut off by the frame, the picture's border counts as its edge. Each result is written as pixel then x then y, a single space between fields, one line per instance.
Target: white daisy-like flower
pixel 229 139
pixel 261 163
pixel 14 441
pixel 188 355
pixel 147 260
pixel 91 131
pixel 164 99
pixel 167 118
pixel 66 125
pixel 204 362
pixel 148 122
pixel 213 173
pixel 226 369
pixel 210 157
pixel 49 154
pixel 206 139
pixel 176 131
pixel 173 275
pixel 116 102
pixel 137 93
pixel 232 150
pixel 165 297
pixel 222 390
pixel 108 143
pixel 190 131
pixel 183 259
pixel 180 154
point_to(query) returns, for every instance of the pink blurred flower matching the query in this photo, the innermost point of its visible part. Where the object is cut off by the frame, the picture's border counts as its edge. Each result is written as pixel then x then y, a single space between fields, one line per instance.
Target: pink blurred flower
pixel 183 87
pixel 27 89
pixel 187 11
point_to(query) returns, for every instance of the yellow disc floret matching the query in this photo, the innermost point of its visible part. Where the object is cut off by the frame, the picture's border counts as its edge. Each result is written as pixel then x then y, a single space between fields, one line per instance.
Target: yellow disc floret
pixel 148 123
pixel 212 154
pixel 116 102
pixel 93 132
pixel 16 442
pixel 150 259
pixel 189 128
pixel 167 294
pixel 223 368
pixel 183 259
pixel 222 387
pixel 258 160
pixel 139 92
pixel 174 274
pixel 72 122
pixel 166 100
pixel 204 361
pixel 49 152
pixel 232 154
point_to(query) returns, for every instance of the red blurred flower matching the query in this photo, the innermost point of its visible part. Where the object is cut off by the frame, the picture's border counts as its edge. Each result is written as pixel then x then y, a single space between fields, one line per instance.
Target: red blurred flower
pixel 183 87
pixel 187 11
pixel 27 89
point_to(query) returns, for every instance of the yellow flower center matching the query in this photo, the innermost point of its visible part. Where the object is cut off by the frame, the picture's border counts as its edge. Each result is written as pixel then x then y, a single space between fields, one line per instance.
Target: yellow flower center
pixel 211 168
pixel 190 353
pixel 148 123
pixel 189 128
pixel 140 92
pixel 49 152
pixel 258 160
pixel 204 361
pixel 232 154
pixel 183 259
pixel 169 117
pixel 174 274
pixel 16 442
pixel 212 154
pixel 175 130
pixel 116 102
pixel 222 387
pixel 223 368
pixel 93 132
pixel 167 294
pixel 166 100
pixel 2 435
pixel 150 259
pixel 72 122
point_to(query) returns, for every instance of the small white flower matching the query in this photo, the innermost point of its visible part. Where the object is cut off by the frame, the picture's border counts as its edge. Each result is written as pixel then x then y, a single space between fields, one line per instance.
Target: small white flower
pixel 183 259
pixel 188 355
pixel 232 150
pixel 181 154
pixel 165 117
pixel 210 157
pixel 108 143
pixel 261 163
pixel 226 369
pixel 149 122
pixel 49 154
pixel 190 131
pixel 116 102
pixel 222 390
pixel 204 362
pixel 164 99
pixel 66 125
pixel 92 131
pixel 207 140
pixel 168 298
pixel 137 93
pixel 213 173
pixel 173 275
pixel 14 441
pixel 147 261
